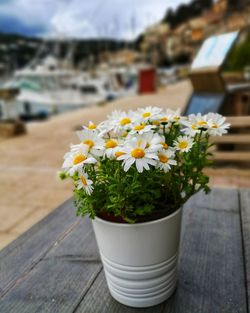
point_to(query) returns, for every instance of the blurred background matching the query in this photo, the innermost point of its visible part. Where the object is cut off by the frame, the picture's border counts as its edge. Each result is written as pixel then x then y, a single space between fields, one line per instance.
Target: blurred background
pixel 66 62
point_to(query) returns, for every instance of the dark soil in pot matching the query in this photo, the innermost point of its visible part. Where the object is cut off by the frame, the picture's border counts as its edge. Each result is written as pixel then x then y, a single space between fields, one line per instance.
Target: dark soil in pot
pixel 139 219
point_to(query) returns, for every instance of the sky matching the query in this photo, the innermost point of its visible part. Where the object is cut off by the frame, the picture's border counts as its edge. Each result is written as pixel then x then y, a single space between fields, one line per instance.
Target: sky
pixel 120 19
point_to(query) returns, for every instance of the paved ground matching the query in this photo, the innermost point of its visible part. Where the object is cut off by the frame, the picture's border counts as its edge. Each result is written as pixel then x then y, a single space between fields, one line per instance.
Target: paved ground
pixel 29 187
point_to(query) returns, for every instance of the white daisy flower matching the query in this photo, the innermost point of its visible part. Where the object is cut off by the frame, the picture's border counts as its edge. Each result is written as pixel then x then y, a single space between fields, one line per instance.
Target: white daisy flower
pixel 141 129
pixel 135 151
pixel 118 153
pixel 166 160
pixel 84 183
pixel 154 142
pixel 77 158
pixel 171 116
pixel 148 114
pixel 116 116
pixel 183 143
pixel 124 120
pixel 112 146
pixel 199 120
pixel 91 126
pixel 104 128
pixel 117 123
pixel 195 123
pixel 164 119
pixel 92 140
pixel 217 125
pixel 107 133
pixel 191 130
pixel 164 145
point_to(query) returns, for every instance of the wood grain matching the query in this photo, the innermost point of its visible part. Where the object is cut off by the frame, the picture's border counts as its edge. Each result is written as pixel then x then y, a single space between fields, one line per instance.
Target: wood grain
pixel 245 220
pixel 232 138
pixel 239 121
pixel 240 141
pixel 218 199
pixel 211 268
pixel 235 156
pixel 60 280
pixel 21 255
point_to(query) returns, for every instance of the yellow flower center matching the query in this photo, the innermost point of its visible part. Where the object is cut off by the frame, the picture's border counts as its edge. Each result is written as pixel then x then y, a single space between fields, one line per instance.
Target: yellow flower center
pixel 79 158
pixel 111 144
pixel 84 181
pixel 214 125
pixel 202 123
pixel 164 144
pixel 137 153
pixel 194 127
pixel 146 114
pixel 164 119
pixel 177 118
pixel 92 126
pixel 147 145
pixel 163 158
pixel 183 144
pixel 119 153
pixel 125 121
pixel 125 134
pixel 139 127
pixel 90 143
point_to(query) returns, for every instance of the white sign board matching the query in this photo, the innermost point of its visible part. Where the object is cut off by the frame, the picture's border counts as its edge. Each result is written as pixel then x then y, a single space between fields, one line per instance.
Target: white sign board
pixel 214 50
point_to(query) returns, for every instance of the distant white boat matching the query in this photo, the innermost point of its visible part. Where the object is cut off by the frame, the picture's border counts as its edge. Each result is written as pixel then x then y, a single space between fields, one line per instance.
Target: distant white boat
pixel 49 85
pixel 45 88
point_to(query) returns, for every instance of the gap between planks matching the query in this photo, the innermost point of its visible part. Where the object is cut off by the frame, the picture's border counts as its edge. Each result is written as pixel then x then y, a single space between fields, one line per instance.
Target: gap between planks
pixel 244 204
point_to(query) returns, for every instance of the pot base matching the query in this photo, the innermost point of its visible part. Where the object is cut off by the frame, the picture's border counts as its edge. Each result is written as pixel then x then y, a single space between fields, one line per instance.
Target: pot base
pixel 144 302
pixel 141 286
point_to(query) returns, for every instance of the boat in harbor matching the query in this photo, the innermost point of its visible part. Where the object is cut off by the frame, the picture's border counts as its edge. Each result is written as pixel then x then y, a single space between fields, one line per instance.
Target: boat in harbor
pixel 50 84
pixel 45 88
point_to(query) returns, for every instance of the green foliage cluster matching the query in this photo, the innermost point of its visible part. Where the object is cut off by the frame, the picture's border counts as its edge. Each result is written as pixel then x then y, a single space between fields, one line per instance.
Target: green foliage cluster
pixel 131 195
pixel 184 12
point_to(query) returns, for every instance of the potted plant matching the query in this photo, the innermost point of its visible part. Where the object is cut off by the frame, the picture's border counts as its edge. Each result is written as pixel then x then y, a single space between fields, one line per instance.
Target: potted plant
pixel 132 173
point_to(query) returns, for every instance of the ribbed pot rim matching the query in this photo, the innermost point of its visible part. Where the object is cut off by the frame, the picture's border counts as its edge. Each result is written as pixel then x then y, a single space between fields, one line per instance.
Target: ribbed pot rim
pixel 138 224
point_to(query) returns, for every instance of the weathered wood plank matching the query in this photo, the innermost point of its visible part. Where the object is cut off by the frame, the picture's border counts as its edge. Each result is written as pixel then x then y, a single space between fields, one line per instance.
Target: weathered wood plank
pixel 232 138
pixel 236 156
pixel 245 222
pixel 239 121
pixel 218 199
pixel 27 250
pixel 60 280
pixel 211 267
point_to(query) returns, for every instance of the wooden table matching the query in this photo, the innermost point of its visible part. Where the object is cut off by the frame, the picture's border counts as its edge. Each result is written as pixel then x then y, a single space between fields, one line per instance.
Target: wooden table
pixel 55 266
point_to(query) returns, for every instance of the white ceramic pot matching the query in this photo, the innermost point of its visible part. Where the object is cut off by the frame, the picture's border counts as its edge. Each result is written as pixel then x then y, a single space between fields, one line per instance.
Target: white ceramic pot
pixel 140 260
